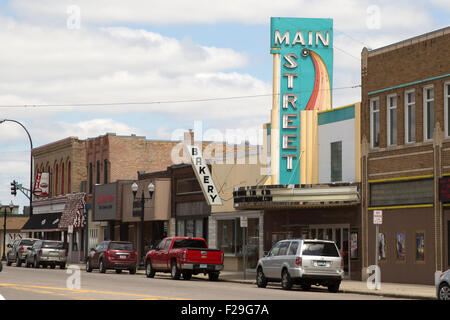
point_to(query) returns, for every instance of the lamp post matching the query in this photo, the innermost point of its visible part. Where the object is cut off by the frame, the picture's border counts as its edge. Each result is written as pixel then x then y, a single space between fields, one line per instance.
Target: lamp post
pixel 31 162
pixel 11 207
pixel 134 189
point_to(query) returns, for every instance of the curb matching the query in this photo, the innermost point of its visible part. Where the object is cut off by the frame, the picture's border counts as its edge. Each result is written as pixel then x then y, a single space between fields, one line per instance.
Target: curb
pixel 354 291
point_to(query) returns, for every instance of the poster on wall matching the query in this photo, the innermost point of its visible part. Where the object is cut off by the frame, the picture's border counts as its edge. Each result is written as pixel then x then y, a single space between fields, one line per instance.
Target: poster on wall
pixel 400 246
pixel 420 246
pixel 382 246
pixel 354 245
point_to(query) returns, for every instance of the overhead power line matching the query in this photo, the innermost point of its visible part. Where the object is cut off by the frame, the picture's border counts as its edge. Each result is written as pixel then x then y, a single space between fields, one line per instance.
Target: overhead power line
pixel 112 104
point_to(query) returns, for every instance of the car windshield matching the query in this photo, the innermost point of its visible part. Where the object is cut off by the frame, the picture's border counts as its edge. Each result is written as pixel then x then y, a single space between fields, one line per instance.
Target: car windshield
pixel 53 245
pixel 27 242
pixel 325 249
pixel 189 243
pixel 121 246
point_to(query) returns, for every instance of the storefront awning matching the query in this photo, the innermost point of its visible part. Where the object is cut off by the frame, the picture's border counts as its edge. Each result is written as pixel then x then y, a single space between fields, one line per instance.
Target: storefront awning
pixel 46 222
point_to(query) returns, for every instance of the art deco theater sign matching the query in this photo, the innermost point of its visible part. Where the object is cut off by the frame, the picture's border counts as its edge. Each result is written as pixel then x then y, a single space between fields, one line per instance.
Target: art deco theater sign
pixel 302 75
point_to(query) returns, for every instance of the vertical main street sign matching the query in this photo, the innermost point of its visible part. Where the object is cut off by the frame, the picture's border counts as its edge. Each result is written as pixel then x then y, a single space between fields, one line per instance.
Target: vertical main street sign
pixel 302 52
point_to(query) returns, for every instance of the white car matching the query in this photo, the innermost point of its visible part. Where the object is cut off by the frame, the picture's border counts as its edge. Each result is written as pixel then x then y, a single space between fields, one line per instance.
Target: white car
pixel 304 262
pixel 443 286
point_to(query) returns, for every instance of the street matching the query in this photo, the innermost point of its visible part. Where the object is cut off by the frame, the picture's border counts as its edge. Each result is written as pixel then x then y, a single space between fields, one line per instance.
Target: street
pixel 47 284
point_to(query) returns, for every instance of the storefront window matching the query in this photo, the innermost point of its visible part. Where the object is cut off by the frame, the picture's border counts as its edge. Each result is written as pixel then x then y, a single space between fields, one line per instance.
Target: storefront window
pixel 226 236
pixel 199 228
pixel 180 228
pixel 189 228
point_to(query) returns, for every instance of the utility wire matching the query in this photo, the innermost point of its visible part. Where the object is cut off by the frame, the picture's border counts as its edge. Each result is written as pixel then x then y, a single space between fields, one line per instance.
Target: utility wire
pixel 155 102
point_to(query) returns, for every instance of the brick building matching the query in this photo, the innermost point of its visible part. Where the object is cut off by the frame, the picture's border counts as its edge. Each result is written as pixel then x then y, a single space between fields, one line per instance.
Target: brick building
pixel 405 141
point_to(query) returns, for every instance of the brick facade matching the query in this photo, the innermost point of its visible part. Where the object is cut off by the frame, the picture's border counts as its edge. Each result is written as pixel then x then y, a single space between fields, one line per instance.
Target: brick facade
pixel 392 71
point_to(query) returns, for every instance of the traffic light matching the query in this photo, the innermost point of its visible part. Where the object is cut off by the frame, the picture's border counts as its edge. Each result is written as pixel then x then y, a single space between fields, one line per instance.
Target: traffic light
pixel 13 188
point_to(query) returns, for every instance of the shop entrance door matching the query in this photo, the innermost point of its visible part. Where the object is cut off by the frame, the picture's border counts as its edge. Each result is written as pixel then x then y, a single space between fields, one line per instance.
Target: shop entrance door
pixel 338 233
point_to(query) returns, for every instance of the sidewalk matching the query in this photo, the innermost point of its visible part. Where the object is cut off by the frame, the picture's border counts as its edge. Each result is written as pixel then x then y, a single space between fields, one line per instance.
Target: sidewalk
pixel 395 290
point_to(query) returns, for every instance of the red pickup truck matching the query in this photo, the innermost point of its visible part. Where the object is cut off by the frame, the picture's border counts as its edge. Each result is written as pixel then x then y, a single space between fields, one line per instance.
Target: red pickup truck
pixel 184 256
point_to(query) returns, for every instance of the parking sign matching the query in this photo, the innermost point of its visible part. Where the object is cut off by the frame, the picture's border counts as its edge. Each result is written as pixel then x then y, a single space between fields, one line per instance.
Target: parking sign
pixel 377 217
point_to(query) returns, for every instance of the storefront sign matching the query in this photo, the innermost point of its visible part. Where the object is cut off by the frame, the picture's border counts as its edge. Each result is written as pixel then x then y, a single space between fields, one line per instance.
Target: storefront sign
pixel 204 176
pixel 244 222
pixel 41 184
pixel 105 202
pixel 304 74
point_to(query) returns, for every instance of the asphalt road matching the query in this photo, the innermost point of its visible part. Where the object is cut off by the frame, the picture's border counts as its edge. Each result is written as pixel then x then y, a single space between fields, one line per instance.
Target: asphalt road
pixel 52 284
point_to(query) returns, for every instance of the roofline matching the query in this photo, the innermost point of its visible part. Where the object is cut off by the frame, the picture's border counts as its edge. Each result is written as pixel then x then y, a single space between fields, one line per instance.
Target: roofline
pixel 410 41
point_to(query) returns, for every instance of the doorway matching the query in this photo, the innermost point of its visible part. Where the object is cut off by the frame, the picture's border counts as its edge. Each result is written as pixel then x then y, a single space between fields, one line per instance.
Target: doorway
pixel 339 233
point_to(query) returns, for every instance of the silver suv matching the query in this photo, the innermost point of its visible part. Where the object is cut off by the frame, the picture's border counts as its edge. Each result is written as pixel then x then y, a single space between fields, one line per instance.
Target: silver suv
pixel 443 286
pixel 304 262
pixel 47 253
pixel 18 250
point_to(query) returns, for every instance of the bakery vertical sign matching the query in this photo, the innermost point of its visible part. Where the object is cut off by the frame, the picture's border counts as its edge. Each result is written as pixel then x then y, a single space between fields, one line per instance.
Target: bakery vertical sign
pixel 302 50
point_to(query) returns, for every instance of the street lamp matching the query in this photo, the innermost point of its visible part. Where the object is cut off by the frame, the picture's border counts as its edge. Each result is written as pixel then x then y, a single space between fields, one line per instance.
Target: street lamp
pixel 31 162
pixel 134 189
pixel 11 207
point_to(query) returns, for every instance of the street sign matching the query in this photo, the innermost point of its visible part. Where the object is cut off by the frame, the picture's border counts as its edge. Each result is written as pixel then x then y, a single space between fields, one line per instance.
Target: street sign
pixel 377 217
pixel 244 222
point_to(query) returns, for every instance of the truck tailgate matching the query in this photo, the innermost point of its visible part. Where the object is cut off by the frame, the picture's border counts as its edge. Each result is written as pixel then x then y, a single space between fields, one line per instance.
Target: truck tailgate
pixel 202 256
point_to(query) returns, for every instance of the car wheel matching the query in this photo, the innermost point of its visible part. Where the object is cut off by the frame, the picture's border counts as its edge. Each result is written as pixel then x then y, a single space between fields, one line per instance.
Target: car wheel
pixel 444 292
pixel 213 276
pixel 62 266
pixel 261 279
pixel 118 271
pixel 334 287
pixel 187 275
pixel 101 267
pixel 35 263
pixel 286 281
pixel 149 272
pixel 174 272
pixel 88 266
pixel 132 270
pixel 8 263
pixel 18 262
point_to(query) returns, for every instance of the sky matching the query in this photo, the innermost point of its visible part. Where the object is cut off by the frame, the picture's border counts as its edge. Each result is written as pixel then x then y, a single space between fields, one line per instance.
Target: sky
pixel 143 62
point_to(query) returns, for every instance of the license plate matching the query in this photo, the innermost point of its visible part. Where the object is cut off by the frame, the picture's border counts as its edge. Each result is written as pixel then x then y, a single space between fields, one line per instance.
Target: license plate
pixel 321 264
pixel 203 266
pixel 123 257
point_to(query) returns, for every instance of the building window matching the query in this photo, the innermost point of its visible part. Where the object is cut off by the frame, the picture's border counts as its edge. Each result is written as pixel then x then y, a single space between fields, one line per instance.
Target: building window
pixel 98 172
pixel 188 186
pixel 228 237
pixel 447 108
pixel 62 178
pixel 391 120
pixel 56 180
pixel 375 122
pixel 105 171
pixel 91 173
pixel 336 161
pixel 428 113
pixel 410 116
pixel 69 187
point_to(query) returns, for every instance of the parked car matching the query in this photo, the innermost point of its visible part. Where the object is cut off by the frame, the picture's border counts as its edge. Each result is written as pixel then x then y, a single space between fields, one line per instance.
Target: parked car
pixel 47 253
pixel 184 256
pixel 18 250
pixel 443 286
pixel 304 262
pixel 117 255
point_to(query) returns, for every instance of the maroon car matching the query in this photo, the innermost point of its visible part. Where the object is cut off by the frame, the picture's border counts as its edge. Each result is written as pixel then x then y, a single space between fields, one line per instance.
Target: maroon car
pixel 117 255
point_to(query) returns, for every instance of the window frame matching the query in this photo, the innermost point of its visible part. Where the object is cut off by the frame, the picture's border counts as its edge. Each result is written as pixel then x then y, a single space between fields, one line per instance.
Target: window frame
pixel 334 161
pixel 389 126
pixel 371 118
pixel 446 108
pixel 424 111
pixel 406 108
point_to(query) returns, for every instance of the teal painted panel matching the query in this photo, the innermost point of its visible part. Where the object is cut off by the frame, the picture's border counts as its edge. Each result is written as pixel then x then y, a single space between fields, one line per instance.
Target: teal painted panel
pixel 337 115
pixel 292 36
